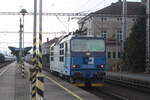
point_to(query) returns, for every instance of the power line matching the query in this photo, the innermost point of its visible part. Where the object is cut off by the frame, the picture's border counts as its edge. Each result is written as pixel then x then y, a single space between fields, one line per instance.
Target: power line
pixel 14 42
pixel 46 14
pixel 15 32
pixel 61 22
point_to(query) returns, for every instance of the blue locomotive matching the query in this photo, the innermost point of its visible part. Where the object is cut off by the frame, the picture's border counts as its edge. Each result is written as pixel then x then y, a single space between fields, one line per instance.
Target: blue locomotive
pixel 78 58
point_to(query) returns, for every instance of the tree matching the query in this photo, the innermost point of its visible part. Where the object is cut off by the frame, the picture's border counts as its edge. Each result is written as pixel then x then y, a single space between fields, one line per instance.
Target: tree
pixel 135 45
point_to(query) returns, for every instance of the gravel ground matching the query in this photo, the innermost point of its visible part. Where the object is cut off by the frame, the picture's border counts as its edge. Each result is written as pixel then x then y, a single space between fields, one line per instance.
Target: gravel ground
pixel 114 92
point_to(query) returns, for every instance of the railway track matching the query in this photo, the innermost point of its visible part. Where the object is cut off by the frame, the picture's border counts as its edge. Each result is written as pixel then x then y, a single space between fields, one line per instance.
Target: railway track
pixel 115 92
pixel 104 94
pixel 4 64
pixel 142 86
pixel 121 90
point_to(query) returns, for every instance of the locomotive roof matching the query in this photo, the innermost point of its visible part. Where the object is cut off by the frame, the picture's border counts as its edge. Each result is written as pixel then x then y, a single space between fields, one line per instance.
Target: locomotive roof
pixel 71 36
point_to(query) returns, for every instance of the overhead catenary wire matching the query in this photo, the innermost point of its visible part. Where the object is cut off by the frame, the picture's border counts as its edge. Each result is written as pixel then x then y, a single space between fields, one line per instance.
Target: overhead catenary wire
pixel 62 22
pixel 15 32
pixel 46 14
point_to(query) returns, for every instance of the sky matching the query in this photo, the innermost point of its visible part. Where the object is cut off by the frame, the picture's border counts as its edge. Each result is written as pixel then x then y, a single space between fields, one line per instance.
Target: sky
pixel 50 23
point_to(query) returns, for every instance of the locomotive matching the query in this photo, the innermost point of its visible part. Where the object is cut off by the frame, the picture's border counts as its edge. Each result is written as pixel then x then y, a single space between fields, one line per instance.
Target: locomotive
pixel 2 58
pixel 81 59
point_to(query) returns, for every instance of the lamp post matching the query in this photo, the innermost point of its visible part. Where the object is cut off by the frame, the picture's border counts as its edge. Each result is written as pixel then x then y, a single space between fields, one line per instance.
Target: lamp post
pixel 23 12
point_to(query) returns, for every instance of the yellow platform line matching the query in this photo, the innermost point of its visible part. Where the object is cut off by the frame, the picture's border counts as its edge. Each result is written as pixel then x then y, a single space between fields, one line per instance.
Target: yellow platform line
pixel 79 84
pixel 92 85
pixel 67 90
pixel 97 84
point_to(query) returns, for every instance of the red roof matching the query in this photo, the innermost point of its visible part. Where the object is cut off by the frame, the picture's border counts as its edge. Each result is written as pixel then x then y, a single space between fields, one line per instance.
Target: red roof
pixel 133 8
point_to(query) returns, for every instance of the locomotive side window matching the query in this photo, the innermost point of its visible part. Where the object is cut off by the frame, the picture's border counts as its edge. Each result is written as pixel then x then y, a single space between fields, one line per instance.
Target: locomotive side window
pixel 66 47
pixel 61 45
pixel 61 59
pixel 52 58
pixel 61 52
pixel 52 54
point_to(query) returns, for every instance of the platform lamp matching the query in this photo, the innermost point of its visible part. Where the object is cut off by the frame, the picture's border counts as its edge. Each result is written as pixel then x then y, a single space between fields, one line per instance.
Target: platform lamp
pixel 23 12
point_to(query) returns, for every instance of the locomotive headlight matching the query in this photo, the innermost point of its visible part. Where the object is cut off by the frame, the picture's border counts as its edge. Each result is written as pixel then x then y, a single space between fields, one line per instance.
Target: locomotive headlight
pixel 101 66
pixel 75 66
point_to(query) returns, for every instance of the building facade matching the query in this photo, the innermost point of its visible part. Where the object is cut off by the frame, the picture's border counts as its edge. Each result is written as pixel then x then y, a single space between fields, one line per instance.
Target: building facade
pixel 108 23
pixel 46 51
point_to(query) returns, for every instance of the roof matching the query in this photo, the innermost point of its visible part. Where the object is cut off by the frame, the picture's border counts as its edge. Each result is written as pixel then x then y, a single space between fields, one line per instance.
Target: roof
pixel 51 41
pixel 133 8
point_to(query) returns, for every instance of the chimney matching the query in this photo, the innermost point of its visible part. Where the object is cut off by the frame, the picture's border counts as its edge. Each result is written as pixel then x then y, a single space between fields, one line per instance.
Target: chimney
pixel 119 1
pixel 144 1
pixel 47 39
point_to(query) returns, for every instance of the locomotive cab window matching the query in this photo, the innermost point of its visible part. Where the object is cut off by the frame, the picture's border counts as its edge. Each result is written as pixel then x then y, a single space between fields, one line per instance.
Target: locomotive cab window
pixel 80 45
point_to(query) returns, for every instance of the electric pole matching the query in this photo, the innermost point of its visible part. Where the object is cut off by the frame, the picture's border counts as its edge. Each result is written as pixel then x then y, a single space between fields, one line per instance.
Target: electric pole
pixel 124 26
pixel 20 42
pixel 147 38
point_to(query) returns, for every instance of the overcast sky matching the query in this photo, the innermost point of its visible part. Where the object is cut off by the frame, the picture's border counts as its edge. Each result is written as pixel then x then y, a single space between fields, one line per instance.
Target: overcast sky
pixel 50 23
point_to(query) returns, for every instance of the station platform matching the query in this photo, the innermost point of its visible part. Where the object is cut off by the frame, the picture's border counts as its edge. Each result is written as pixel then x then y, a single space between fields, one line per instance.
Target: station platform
pixel 140 79
pixel 14 87
pixel 137 76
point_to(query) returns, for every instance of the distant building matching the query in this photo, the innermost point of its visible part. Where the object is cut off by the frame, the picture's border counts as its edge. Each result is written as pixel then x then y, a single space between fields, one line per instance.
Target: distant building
pixel 46 51
pixel 107 23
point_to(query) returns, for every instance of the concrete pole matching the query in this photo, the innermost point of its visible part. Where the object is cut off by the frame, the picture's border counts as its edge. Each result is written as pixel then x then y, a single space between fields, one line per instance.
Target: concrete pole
pixel 40 77
pixel 20 42
pixel 148 38
pixel 34 73
pixel 124 26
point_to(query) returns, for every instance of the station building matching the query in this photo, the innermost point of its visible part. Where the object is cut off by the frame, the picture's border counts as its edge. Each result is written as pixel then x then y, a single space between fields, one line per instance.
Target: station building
pixel 107 23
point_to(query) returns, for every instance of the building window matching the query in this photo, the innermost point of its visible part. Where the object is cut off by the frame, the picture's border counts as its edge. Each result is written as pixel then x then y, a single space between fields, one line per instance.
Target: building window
pixel 119 35
pixel 134 19
pixel 114 55
pixel 61 59
pixel 119 55
pixel 52 53
pixel 103 18
pixel 109 54
pixel 119 19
